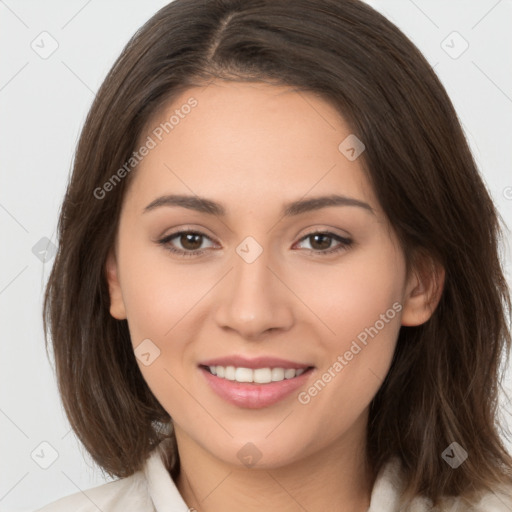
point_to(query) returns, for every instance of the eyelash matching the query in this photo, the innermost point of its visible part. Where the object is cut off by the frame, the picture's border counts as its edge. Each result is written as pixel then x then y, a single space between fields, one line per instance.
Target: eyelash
pixel 165 242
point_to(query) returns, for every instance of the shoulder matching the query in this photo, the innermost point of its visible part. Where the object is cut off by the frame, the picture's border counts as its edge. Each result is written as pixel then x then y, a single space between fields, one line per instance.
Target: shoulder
pixel 390 483
pixel 497 500
pixel 125 495
pixel 149 490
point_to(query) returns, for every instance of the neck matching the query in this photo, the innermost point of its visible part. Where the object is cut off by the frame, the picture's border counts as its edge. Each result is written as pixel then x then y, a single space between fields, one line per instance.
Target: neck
pixel 335 478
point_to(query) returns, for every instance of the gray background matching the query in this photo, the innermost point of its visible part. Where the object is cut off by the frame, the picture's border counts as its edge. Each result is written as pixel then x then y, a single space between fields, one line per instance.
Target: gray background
pixel 44 99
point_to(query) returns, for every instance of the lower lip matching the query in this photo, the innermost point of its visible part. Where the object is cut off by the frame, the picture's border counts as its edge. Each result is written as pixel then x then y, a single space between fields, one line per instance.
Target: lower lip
pixel 254 396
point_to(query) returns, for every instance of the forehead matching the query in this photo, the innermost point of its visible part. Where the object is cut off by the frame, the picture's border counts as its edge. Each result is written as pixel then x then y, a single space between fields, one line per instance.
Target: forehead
pixel 250 141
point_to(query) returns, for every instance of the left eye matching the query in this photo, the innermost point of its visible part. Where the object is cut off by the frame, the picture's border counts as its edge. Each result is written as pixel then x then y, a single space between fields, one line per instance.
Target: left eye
pixel 320 238
pixel 191 242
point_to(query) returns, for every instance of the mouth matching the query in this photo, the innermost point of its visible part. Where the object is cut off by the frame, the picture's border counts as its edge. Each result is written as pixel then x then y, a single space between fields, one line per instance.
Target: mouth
pixel 252 385
pixel 264 375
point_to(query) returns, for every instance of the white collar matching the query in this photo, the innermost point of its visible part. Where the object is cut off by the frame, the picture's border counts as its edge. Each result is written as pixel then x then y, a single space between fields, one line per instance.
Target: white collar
pixel 385 495
pixel 161 486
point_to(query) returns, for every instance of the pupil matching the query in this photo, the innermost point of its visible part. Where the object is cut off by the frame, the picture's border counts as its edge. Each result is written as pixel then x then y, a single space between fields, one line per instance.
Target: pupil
pixel 326 240
pixel 189 243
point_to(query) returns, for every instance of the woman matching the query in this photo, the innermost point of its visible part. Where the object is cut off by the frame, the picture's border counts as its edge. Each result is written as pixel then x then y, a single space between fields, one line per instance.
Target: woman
pixel 278 283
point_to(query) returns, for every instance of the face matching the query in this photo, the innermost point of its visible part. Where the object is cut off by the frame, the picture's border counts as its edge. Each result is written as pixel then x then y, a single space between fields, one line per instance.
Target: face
pixel 309 297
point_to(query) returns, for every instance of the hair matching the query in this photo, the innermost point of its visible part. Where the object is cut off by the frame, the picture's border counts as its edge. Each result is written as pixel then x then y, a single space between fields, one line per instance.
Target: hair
pixel 445 377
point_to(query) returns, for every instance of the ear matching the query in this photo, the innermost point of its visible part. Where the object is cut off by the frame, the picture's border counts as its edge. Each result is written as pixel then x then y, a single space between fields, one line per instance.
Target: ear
pixel 117 309
pixel 423 291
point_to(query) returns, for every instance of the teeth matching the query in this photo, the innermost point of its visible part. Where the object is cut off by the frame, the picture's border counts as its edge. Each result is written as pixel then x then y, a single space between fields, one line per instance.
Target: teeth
pixel 244 375
pixel 259 375
pixel 289 373
pixel 229 373
pixel 262 375
pixel 277 374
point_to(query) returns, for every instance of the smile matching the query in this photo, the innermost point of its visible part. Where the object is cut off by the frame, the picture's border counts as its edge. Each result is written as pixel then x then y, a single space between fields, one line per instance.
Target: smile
pixel 257 375
pixel 254 388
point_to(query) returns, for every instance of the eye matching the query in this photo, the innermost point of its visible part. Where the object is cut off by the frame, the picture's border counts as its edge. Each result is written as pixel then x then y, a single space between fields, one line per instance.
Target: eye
pixel 191 241
pixel 322 241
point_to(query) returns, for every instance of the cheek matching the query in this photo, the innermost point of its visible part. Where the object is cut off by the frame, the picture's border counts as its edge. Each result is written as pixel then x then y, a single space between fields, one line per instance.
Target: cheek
pixel 352 295
pixel 163 302
pixel 159 298
pixel 158 293
pixel 360 307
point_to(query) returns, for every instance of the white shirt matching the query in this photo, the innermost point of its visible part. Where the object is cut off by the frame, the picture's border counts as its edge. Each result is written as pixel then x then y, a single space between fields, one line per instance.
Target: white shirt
pixel 152 490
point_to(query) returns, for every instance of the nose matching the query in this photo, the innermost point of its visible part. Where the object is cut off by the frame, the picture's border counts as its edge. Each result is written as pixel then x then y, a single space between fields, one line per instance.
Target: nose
pixel 254 299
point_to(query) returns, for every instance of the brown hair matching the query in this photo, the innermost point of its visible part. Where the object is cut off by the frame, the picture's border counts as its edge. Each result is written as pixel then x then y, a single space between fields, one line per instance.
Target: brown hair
pixel 444 382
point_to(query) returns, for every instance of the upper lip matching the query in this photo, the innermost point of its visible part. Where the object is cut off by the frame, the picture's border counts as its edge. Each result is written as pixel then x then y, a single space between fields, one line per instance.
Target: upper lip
pixel 253 363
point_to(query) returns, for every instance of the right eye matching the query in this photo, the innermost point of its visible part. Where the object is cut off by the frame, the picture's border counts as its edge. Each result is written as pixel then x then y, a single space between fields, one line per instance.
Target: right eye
pixel 189 240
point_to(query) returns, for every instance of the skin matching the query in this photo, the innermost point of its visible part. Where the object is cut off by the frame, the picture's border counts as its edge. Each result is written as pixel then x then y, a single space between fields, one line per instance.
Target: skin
pixel 254 147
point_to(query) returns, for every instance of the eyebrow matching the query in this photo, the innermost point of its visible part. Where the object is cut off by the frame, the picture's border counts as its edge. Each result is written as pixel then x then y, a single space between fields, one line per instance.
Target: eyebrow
pixel 204 205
